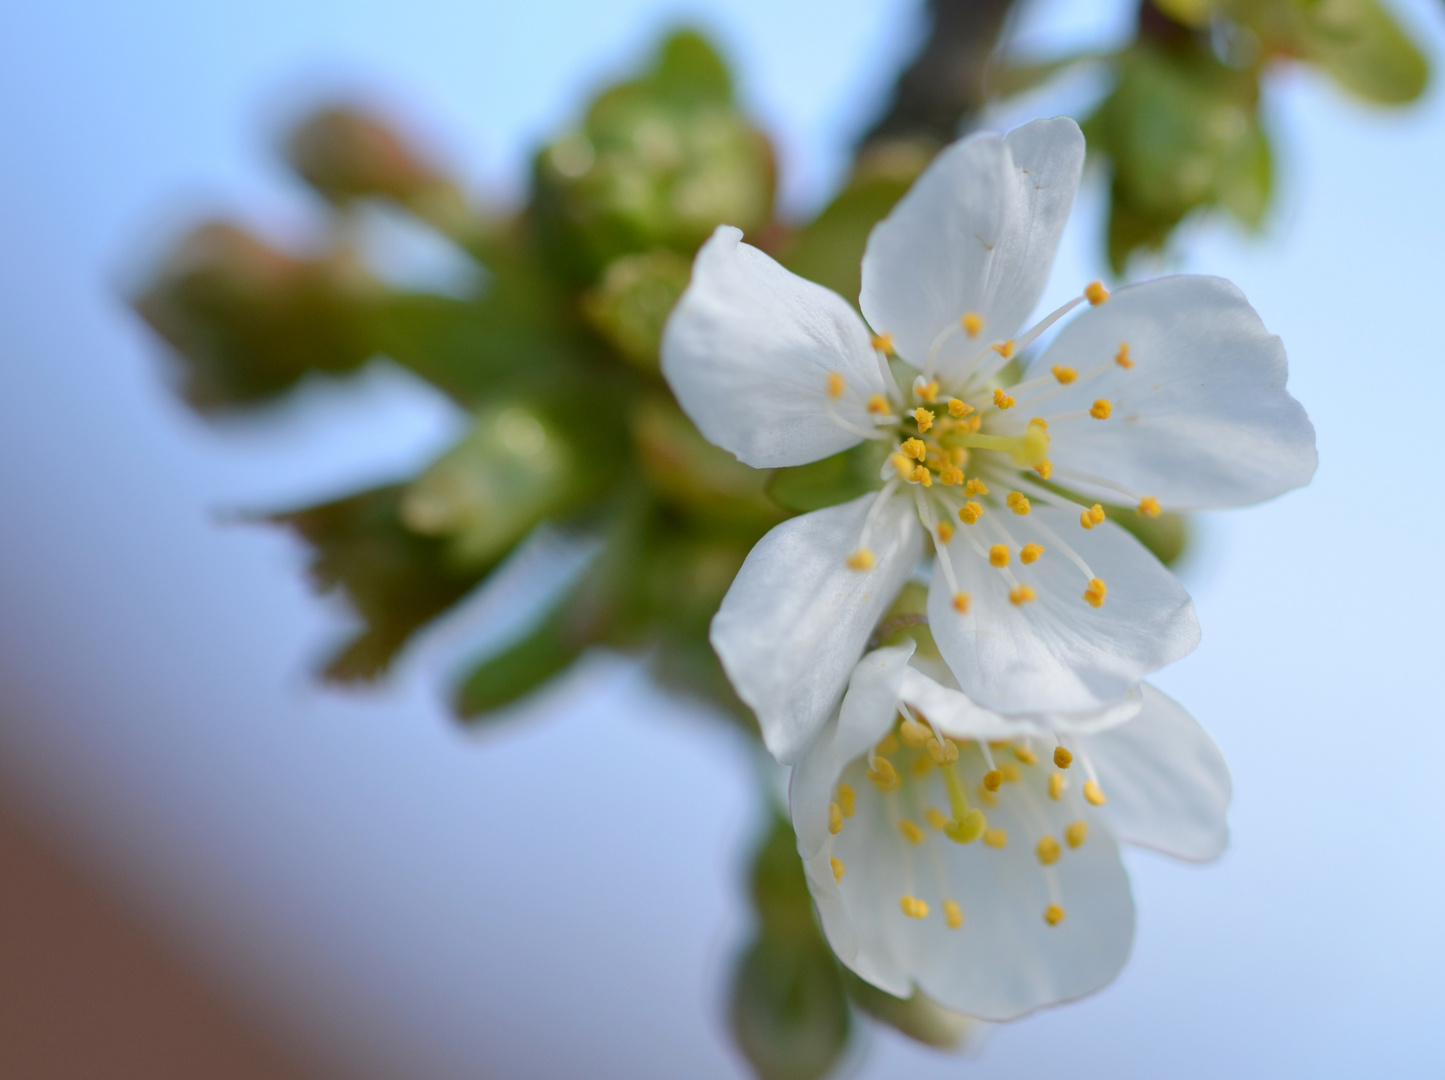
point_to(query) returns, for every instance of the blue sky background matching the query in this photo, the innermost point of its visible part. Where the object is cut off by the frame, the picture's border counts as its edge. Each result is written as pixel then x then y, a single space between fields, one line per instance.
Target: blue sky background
pixel 558 895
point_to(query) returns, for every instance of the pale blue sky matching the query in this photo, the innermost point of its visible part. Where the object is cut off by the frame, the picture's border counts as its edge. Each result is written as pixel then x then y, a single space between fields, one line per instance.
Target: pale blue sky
pixel 557 896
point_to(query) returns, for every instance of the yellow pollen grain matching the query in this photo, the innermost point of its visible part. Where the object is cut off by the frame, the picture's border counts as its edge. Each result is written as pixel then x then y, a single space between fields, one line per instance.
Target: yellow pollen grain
pixel 911 832
pixel 1062 758
pixel 1045 468
pixel 1021 594
pixel 883 342
pixel 952 914
pixel 1004 349
pixel 961 601
pixel 928 391
pixel 913 907
pixel 1057 783
pixel 1122 356
pixel 915 449
pixel 847 799
pixel 958 409
pixel 878 405
pixel 1096 293
pixel 970 512
pixel 1094 515
pixel 1053 914
pixel 921 766
pixel 862 559
pixel 1094 793
pixel 1101 409
pixel 933 815
pixel 835 818
pixel 1076 833
pixel 883 775
pixel 838 868
pixel 972 323
pixel 1002 400
pixel 992 780
pixel 1017 502
pixel 1048 851
pixel 1065 375
pixel 1024 754
pixel 1149 506
pixel 1030 553
pixel 836 385
pixel 1010 772
pixel 996 838
pixel 975 487
pixel 942 753
pixel 913 734
pixel 950 475
pixel 887 745
pixel 998 555
pixel 1095 592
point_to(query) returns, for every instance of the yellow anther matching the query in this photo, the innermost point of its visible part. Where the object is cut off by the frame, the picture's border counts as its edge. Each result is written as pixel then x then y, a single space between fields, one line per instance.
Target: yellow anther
pixel 1048 851
pixel 862 559
pixel 952 914
pixel 884 776
pixel 945 532
pixel 942 753
pixel 921 475
pixel 996 838
pixel 1096 292
pixel 998 555
pixel 992 780
pixel 950 475
pixel 975 487
pixel 1053 914
pixel 1094 793
pixel 961 601
pixel 847 800
pixel 934 816
pixel 1002 400
pixel 887 745
pixel 915 449
pixel 878 405
pixel 902 465
pixel 1095 592
pixel 883 342
pixel 1149 506
pixel 913 907
pixel 1044 468
pixel 970 512
pixel 969 425
pixel 836 385
pixel 911 832
pixel 1021 594
pixel 966 829
pixel 1094 515
pixel 1018 502
pixel 914 734
pixel 1004 349
pixel 835 818
pixel 971 323
pixel 958 409
pixel 1077 833
pixel 838 868
pixel 1030 552
pixel 1065 375
pixel 924 418
pixel 1122 356
pixel 1101 409
pixel 1057 783
pixel 1010 772
pixel 928 391
pixel 988 798
pixel 1024 754
pixel 1062 758
pixel 921 766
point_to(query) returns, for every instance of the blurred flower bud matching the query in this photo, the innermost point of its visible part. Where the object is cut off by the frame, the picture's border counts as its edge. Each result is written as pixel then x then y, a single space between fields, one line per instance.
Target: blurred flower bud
pixel 631 305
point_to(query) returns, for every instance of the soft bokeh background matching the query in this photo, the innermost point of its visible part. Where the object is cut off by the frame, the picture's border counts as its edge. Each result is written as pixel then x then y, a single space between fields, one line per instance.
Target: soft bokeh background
pixel 557 894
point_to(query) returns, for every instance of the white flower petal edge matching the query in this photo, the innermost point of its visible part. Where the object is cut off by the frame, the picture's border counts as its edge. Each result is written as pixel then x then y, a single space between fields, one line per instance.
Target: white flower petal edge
pixel 797 616
pixel 976 233
pixel 1200 417
pixel 1056 652
pixel 749 351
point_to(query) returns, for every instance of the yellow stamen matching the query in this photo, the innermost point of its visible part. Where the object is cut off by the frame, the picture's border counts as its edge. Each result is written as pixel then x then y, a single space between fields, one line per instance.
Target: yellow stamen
pixel 1030 553
pixel 992 780
pixel 884 776
pixel 915 449
pixel 836 385
pixel 1065 375
pixel 914 734
pixel 1004 349
pixel 1002 400
pixel 878 405
pixel 1024 754
pixel 902 465
pixel 847 799
pixel 1077 833
pixel 1021 594
pixel 971 323
pixel 883 342
pixel 975 487
pixel 922 765
pixel 835 818
pixel 1017 502
pixel 911 832
pixel 887 745
pixel 1122 356
pixel 928 391
pixel 942 753
pixel 1057 783
pixel 913 907
pixel 838 868
pixel 921 475
pixel 1010 772
pixel 933 815
pixel 961 600
pixel 996 838
pixel 1149 506
pixel 1094 793
pixel 1096 293
pixel 1048 851
pixel 1062 758
pixel 862 559
pixel 998 555
pixel 958 409
pixel 988 798
pixel 1101 409
pixel 970 512
pixel 1094 515
pixel 1095 592
pixel 1053 914
pixel 952 914
pixel 1045 468
pixel 950 475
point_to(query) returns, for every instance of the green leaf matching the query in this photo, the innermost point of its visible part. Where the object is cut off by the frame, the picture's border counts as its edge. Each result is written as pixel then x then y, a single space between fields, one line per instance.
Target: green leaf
pixel 538 655
pixel 831 481
pixel 919 1017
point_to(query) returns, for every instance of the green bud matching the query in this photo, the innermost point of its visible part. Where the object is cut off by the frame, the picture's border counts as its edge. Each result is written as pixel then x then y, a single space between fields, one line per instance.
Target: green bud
pixel 631 305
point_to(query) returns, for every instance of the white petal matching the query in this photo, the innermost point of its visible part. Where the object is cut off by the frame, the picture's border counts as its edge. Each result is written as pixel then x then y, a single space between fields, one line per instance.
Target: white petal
pixel 797 616
pixel 1202 419
pixel 976 233
pixel 1166 782
pixel 749 350
pixel 954 713
pixel 1057 653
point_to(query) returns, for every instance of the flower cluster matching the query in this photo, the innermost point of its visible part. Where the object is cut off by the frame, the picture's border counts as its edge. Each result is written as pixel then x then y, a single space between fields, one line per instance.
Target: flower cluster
pixel 949 842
